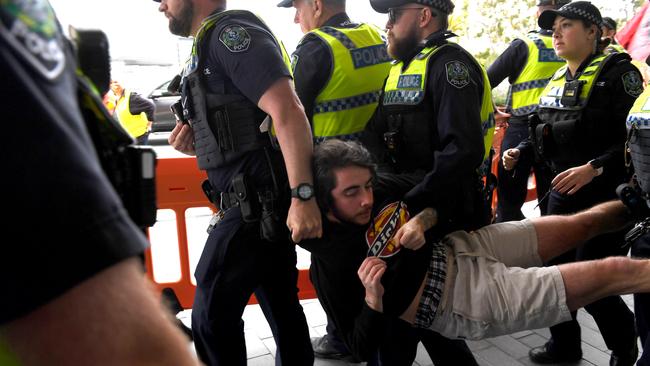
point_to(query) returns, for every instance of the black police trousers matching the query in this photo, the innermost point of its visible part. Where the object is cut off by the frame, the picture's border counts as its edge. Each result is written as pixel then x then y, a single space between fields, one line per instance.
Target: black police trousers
pixel 235 263
pixel 401 342
pixel 512 186
pixel 613 317
pixel 641 249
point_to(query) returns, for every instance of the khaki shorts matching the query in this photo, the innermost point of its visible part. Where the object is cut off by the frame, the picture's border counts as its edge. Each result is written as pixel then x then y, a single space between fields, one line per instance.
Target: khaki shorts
pixel 490 289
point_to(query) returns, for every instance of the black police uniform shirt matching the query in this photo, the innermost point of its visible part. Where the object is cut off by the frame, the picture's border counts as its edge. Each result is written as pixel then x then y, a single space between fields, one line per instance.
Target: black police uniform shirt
pixel 335 260
pixel 139 104
pixel 63 223
pixel 511 62
pixel 603 131
pixel 312 63
pixel 456 132
pixel 249 73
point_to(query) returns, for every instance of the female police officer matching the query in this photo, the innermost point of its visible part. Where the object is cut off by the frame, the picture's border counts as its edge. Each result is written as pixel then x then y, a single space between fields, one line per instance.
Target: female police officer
pixel 580 133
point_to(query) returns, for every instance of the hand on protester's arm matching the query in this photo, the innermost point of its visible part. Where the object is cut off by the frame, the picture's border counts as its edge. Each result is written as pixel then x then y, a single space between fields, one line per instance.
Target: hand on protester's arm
pixel 182 138
pixel 295 138
pixel 411 234
pixel 571 180
pixel 510 158
pixel 370 273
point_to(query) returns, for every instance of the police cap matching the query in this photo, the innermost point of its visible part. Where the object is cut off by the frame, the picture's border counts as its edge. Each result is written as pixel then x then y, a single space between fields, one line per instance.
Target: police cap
pixel 285 4
pixel 582 10
pixel 609 23
pixel 556 3
pixel 382 6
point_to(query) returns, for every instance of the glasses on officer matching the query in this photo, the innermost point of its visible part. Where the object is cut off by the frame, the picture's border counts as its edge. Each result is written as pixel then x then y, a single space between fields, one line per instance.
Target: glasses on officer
pixel 395 13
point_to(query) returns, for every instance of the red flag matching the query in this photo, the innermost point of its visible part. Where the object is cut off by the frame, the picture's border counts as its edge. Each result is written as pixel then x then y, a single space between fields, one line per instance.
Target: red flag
pixel 635 36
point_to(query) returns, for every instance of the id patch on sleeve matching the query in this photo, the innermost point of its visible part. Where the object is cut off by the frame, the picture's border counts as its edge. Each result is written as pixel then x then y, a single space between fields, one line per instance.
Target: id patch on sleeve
pixel 457 74
pixel 632 83
pixel 294 61
pixel 235 38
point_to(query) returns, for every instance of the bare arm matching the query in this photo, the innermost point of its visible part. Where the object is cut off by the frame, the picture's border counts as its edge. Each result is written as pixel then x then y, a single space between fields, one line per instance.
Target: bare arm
pixel 294 135
pixel 112 318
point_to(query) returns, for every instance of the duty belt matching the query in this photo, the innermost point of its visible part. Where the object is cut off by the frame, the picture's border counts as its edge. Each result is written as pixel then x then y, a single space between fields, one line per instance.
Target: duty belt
pixel 228 200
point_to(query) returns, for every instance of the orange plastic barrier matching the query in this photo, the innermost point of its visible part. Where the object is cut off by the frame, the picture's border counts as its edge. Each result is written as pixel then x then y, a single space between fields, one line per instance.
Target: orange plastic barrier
pixel 178 187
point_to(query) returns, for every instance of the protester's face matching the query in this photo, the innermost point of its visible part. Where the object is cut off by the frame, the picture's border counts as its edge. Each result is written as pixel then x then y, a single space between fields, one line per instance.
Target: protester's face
pixel 352 196
pixel 571 39
pixel 180 14
pixel 402 31
pixel 305 15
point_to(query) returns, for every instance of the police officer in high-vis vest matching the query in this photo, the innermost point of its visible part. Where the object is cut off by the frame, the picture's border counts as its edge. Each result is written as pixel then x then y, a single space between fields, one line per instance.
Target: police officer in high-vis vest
pixel 435 117
pixel 609 27
pixel 581 133
pixel 638 126
pixel 339 68
pixel 528 63
pixel 237 77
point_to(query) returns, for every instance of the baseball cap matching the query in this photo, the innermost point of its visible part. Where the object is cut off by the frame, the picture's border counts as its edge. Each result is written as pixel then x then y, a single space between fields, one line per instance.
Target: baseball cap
pixel 582 10
pixel 382 6
pixel 285 4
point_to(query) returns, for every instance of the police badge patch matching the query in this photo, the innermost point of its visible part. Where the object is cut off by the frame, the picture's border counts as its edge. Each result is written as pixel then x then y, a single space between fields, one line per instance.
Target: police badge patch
pixel 30 28
pixel 632 83
pixel 235 38
pixel 294 62
pixel 457 74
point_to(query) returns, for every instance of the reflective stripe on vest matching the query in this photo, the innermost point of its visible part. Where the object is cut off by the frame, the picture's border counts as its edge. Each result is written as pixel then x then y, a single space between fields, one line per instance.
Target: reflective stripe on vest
pixel 407 87
pixel 552 95
pixel 360 66
pixel 542 63
pixel 615 48
pixel 135 125
pixel 639 116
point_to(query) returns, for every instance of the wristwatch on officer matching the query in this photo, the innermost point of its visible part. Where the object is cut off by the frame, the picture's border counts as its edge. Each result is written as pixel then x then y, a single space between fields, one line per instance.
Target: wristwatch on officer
pixel 597 164
pixel 304 192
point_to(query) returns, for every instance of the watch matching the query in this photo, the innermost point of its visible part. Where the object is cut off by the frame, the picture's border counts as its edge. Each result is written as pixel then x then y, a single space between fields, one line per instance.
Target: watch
pixel 304 191
pixel 597 165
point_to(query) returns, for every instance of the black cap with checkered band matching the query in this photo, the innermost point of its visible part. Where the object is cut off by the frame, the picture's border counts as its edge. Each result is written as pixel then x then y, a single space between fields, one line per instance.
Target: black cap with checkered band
pixel 582 10
pixel 382 6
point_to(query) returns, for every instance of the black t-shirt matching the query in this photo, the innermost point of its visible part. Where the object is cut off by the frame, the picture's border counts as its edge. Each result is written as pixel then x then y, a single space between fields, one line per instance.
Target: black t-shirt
pixel 335 260
pixel 313 63
pixel 64 223
pixel 248 72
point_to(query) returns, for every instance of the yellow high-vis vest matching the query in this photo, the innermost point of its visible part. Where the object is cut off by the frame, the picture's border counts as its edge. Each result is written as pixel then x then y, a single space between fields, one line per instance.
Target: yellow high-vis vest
pixel 542 63
pixel 135 125
pixel 351 95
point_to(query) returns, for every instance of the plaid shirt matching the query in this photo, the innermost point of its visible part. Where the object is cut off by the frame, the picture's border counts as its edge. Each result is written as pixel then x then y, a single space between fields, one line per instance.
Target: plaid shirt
pixel 433 287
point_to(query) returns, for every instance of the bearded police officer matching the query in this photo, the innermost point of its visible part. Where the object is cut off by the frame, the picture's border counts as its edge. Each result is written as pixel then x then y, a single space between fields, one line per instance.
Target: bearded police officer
pixel 237 75
pixel 339 68
pixel 436 116
pixel 528 63
pixel 581 134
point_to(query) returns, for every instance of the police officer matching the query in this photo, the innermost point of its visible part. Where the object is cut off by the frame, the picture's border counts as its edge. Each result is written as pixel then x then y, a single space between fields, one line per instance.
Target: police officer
pixel 436 115
pixel 84 302
pixel 581 134
pixel 528 63
pixel 609 31
pixel 638 122
pixel 339 68
pixel 239 73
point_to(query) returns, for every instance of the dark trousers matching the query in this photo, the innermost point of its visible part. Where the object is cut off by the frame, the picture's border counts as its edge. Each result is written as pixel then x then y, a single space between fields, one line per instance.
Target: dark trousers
pixel 613 317
pixel 235 263
pixel 401 343
pixel 641 249
pixel 512 185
